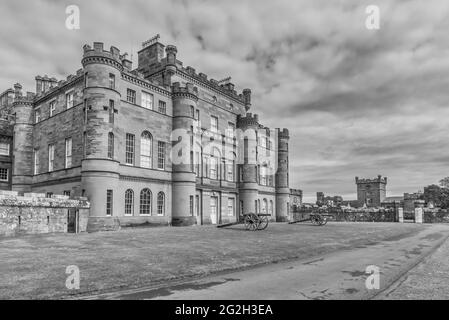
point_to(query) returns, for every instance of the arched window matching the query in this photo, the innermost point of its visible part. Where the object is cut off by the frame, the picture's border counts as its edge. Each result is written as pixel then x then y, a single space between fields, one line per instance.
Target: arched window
pixel 111 145
pixel 145 202
pixel 146 150
pixel 160 204
pixel 265 206
pixel 129 202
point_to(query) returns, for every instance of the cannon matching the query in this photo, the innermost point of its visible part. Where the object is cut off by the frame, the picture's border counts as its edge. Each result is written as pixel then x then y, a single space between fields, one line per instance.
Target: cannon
pixel 252 221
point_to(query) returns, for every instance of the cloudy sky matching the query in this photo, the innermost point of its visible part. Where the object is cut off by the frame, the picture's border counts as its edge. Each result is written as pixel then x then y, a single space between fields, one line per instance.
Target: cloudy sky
pixel 358 102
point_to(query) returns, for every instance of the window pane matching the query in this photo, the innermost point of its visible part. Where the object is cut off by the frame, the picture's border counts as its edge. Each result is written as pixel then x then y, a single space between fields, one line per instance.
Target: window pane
pixel 145 202
pixel 129 202
pixel 146 145
pixel 130 143
pixel 3 174
pixel 147 100
pixel 4 149
pixel 161 155
pixel 109 203
pixel 161 204
pixel 110 145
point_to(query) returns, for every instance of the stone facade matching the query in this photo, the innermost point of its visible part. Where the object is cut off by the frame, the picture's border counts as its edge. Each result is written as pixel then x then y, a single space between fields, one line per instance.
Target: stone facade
pixel 111 133
pixel 371 192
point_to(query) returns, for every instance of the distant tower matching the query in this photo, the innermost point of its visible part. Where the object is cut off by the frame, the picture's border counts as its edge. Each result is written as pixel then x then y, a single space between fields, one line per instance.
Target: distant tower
pixel 371 192
pixel 23 141
pixel 283 213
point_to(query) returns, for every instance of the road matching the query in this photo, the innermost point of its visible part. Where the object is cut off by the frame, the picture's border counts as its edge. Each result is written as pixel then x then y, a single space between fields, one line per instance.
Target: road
pixel 339 275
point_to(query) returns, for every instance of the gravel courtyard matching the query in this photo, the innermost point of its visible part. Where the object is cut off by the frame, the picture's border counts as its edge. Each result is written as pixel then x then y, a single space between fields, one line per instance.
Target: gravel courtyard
pixel 33 267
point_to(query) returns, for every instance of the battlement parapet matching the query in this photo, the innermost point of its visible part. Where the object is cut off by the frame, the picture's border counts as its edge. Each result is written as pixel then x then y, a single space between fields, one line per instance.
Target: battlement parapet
pixel 379 179
pixel 97 54
pixel 284 133
pixel 188 91
pixel 249 120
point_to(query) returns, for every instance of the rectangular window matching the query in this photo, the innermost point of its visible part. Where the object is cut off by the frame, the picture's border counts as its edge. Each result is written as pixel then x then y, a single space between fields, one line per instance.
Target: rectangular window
pixel 66 193
pixel 131 96
pixel 263 176
pixel 230 171
pixel 162 107
pixel 52 108
pixel 197 117
pixel 69 100
pixel 4 174
pixel 85 79
pixel 213 168
pixel 192 206
pixel 192 112
pixel 109 199
pixel 231 202
pixel 4 149
pixel 130 146
pixel 197 205
pixel 147 100
pixel 161 155
pixel 213 124
pixel 111 81
pixel 111 111
pixel 111 145
pixel 37 115
pixel 49 195
pixel 36 162
pixel 230 130
pixel 68 153
pixel 51 157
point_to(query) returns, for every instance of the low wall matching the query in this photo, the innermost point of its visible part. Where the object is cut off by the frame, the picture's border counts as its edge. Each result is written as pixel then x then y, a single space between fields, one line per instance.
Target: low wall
pixel 35 214
pixel 361 216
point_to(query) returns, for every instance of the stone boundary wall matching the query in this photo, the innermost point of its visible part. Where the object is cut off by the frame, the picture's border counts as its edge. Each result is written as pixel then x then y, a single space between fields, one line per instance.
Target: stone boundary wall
pixel 36 214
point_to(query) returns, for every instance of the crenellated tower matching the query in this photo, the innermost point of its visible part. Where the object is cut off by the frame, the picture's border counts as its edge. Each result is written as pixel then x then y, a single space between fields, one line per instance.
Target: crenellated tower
pixel 22 176
pixel 184 179
pixel 282 177
pixel 248 167
pixel 102 72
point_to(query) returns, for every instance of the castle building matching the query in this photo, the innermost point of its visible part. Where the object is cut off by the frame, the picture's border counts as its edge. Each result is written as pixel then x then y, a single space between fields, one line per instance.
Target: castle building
pixel 158 144
pixel 371 192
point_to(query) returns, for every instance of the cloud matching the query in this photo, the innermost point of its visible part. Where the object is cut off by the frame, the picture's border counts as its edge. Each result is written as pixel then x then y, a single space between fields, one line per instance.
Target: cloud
pixel 357 102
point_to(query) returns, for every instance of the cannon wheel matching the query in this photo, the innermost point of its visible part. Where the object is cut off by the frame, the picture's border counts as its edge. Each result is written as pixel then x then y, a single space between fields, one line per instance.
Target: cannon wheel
pixel 251 222
pixel 263 223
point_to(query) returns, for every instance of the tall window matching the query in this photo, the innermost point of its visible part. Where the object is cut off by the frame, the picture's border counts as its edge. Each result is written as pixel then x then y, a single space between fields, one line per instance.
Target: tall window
pixel 145 202
pixel 197 117
pixel 160 204
pixel 213 124
pixel 69 100
pixel 197 164
pixel 162 107
pixel 85 79
pixel 111 111
pixel 146 147
pixel 231 202
pixel 265 206
pixel 52 108
pixel 161 155
pixel 109 199
pixel 4 174
pixel 129 202
pixel 147 100
pixel 130 146
pixel 51 157
pixel 230 130
pixel 214 162
pixel 110 145
pixel 37 115
pixel 111 81
pixel 68 152
pixel 263 176
pixel 4 148
pixel 192 206
pixel 131 96
pixel 230 171
pixel 192 112
pixel 36 161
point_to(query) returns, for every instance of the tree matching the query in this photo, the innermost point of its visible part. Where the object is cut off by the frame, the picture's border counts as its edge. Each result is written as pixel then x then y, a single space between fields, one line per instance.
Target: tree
pixel 444 183
pixel 439 196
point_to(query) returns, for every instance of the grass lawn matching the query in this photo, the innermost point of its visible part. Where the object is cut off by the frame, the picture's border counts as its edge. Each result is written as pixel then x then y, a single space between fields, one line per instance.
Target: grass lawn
pixel 33 267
